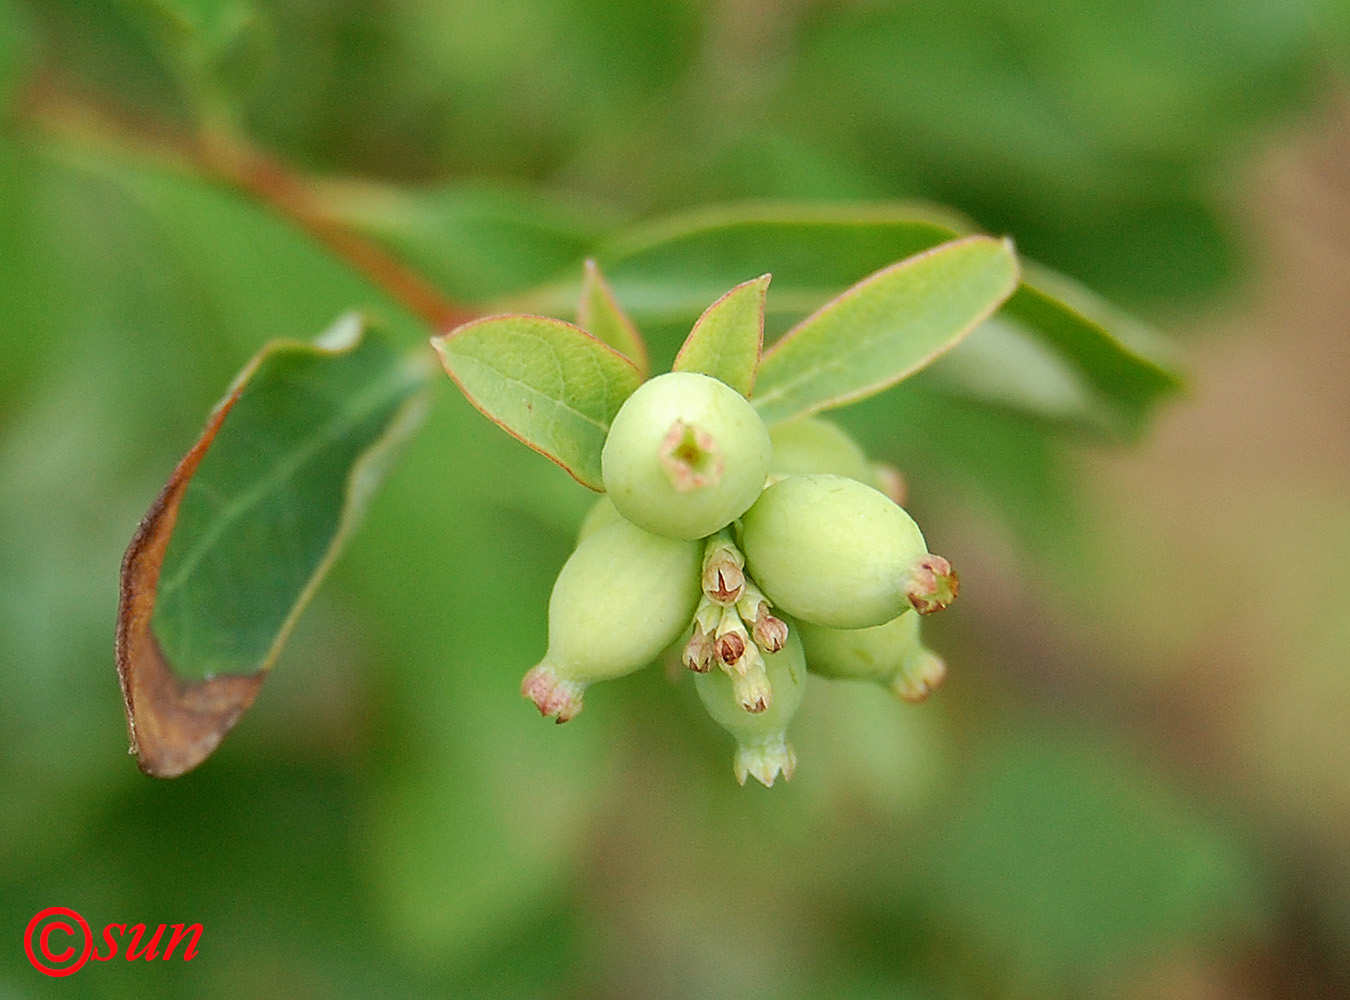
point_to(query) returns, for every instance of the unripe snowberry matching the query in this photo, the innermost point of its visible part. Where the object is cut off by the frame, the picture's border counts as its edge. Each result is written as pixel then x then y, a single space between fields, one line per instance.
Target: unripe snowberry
pixel 685 456
pixel 762 749
pixel 812 445
pixel 622 597
pixel 835 552
pixel 602 513
pixel 891 654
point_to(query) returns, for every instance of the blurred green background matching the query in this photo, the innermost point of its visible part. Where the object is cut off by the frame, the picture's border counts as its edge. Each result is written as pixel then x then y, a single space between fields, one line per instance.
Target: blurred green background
pixel 1136 782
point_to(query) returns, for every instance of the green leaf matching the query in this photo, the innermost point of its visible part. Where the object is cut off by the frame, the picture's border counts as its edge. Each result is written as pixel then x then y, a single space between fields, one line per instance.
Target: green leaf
pixel 599 315
pixel 477 244
pixel 668 270
pixel 217 49
pixel 1127 365
pixel 549 384
pixel 237 542
pixel 726 341
pixel 885 328
pixel 1099 373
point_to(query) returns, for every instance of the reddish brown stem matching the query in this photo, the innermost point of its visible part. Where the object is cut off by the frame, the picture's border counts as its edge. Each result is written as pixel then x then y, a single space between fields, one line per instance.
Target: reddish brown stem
pixel 262 177
pixel 272 184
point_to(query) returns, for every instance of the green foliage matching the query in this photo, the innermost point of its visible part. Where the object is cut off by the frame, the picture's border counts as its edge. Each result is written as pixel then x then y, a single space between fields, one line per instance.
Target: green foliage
pixel 281 484
pixel 600 316
pixel 551 385
pixel 884 328
pixel 1067 356
pixel 725 342
pixel 1066 858
pixel 478 243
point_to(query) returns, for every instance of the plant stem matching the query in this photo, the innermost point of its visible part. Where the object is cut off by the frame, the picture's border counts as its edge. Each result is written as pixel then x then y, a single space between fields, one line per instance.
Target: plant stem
pixel 261 176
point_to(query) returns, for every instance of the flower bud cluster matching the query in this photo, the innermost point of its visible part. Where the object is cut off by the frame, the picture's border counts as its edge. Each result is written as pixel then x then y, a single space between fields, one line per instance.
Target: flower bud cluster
pixel 761 553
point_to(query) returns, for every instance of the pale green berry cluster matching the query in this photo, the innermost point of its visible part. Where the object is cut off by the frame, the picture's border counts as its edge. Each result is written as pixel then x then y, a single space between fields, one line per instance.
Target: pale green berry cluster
pixel 761 553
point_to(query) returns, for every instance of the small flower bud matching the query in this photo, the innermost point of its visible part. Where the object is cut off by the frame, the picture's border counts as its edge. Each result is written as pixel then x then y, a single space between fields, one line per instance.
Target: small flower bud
pixel 685 455
pixel 621 597
pixel 723 570
pixel 770 633
pixel 832 551
pixel 762 749
pixel 750 684
pixel 891 654
pixel 730 648
pixel 698 651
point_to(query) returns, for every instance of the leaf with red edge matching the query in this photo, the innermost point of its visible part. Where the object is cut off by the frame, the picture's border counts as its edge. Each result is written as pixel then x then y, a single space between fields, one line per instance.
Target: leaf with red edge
pixel 726 341
pixel 885 328
pixel 238 540
pixel 549 384
pixel 599 314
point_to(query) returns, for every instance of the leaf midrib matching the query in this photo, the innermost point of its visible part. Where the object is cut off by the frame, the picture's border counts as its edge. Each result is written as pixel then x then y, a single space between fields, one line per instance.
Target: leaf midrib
pixel 364 404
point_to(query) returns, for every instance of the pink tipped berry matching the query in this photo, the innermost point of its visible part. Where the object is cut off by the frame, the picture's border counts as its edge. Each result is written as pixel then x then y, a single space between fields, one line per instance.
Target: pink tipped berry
pixel 762 750
pixel 685 455
pixel 723 571
pixel 621 597
pixel 832 551
pixel 690 457
pixel 891 654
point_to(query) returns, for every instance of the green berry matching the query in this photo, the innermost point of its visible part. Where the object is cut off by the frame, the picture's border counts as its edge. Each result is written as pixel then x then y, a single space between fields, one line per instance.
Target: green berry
pixel 762 749
pixel 835 552
pixel 685 456
pixel 811 445
pixel 602 513
pixel 622 597
pixel 891 654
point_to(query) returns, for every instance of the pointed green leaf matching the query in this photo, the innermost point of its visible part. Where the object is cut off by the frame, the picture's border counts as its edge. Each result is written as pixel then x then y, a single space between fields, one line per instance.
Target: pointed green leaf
pixel 665 271
pixel 548 383
pixel 726 341
pixel 886 327
pixel 599 315
pixel 1129 366
pixel 237 542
